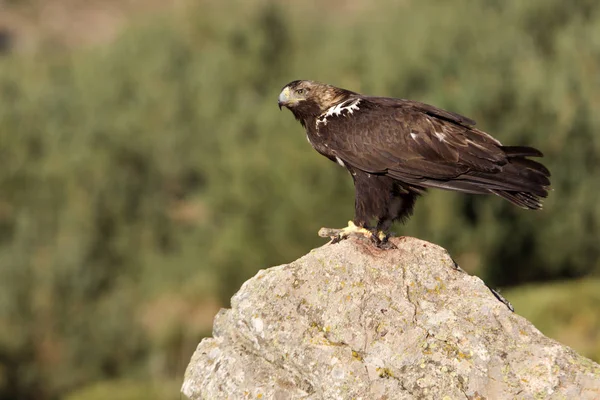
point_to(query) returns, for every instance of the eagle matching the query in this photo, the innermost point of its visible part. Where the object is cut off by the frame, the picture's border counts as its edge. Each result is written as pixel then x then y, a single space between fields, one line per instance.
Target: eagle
pixel 395 149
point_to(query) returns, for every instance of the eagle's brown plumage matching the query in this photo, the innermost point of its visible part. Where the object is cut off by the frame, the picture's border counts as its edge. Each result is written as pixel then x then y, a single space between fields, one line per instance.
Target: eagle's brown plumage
pixel 396 148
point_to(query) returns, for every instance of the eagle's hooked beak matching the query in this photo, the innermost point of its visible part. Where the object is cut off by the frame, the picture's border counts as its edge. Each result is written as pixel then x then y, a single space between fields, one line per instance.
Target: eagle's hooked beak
pixel 284 97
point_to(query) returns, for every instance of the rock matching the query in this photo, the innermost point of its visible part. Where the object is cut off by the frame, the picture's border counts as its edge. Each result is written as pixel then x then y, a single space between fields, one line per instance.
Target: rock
pixel 350 321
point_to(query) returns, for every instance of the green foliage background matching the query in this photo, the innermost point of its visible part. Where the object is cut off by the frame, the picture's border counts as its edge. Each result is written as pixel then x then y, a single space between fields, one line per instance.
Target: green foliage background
pixel 142 182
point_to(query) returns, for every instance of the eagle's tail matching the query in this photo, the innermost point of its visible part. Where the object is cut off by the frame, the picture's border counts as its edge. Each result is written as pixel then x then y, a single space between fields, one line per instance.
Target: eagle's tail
pixel 521 181
pixel 530 178
pixel 521 199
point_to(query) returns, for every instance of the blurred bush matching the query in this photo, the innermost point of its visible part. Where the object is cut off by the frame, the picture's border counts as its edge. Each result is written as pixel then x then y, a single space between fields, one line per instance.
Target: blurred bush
pixel 550 308
pixel 128 390
pixel 141 183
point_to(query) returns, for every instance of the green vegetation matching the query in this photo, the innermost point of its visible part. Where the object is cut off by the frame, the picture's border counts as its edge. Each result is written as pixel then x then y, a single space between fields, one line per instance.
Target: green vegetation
pixel 128 390
pixel 142 182
pixel 550 307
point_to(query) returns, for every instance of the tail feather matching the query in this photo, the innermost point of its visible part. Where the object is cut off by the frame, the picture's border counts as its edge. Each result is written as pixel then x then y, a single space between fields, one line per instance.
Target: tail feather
pixel 521 151
pixel 534 175
pixel 531 165
pixel 521 199
pixel 513 180
pixel 522 181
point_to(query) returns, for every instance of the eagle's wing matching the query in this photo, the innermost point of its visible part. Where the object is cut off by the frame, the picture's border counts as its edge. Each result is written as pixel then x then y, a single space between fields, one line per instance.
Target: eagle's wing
pixel 422 107
pixel 426 146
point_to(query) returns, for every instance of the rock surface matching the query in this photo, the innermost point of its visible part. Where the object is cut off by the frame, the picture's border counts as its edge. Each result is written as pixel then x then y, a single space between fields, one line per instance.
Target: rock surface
pixel 350 321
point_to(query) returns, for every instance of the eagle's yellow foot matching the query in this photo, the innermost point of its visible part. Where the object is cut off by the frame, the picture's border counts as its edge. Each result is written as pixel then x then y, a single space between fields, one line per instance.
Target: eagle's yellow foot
pixel 352 229
pixel 379 238
pixel 382 241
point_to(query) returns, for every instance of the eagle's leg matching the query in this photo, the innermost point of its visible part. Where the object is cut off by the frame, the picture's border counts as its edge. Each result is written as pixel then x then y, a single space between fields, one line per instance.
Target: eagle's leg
pixel 400 207
pixel 384 225
pixel 378 198
pixel 371 202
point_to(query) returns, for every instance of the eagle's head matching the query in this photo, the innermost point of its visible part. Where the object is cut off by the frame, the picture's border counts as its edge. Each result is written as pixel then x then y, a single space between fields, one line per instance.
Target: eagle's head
pixel 309 99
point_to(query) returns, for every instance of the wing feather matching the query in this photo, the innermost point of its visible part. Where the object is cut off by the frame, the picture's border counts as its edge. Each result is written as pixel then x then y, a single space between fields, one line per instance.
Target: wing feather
pixel 423 145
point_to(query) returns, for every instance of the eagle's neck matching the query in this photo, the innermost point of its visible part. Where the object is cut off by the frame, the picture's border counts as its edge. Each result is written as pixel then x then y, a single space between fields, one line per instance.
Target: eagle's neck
pixel 306 112
pixel 304 119
pixel 334 102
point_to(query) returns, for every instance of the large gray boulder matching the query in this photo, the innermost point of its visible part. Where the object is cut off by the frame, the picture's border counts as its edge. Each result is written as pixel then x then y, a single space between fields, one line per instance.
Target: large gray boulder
pixel 350 321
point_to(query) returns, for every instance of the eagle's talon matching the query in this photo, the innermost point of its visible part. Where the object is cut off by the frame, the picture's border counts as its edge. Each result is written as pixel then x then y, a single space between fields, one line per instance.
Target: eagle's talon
pixel 381 240
pixel 386 245
pixel 376 241
pixel 336 239
pixel 337 235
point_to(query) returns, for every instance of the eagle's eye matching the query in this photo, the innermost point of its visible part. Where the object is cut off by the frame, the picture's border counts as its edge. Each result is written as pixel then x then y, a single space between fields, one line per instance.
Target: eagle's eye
pixel 300 91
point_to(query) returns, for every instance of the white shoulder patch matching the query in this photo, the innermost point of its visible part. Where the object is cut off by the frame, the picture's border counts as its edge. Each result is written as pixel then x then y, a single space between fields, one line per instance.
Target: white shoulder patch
pixel 339 161
pixel 413 135
pixel 348 106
